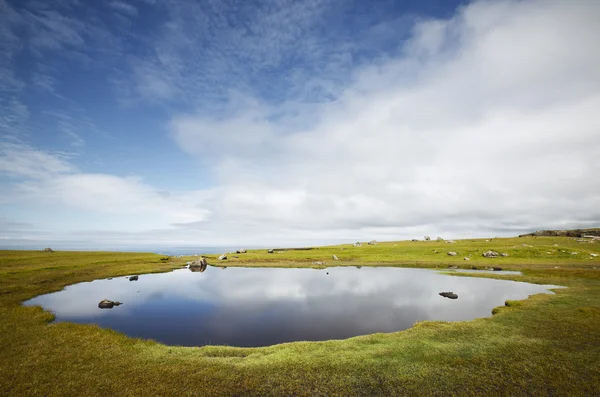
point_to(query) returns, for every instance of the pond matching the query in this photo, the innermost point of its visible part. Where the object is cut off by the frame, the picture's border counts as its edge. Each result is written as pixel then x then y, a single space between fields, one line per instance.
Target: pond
pixel 266 306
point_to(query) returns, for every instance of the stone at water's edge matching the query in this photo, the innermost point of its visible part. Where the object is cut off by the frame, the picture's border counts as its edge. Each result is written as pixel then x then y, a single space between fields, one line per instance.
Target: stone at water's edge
pixel 450 295
pixel 133 278
pixel 199 265
pixel 108 304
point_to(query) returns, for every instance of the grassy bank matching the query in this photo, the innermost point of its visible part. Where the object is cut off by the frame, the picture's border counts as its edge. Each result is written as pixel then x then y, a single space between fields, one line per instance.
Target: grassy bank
pixel 545 345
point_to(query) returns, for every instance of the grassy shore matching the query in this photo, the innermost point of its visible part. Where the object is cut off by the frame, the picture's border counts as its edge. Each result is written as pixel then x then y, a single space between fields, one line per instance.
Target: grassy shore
pixel 545 345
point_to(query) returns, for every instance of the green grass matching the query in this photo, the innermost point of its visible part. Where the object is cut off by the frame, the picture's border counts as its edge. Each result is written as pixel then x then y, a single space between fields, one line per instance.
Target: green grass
pixel 545 345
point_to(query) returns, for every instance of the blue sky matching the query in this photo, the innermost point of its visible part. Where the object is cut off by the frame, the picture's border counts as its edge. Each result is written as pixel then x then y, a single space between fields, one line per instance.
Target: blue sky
pixel 161 123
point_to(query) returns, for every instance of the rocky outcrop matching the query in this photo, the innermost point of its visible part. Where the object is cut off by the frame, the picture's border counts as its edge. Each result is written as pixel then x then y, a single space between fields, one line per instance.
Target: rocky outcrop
pixel 270 251
pixel 372 242
pixel 490 254
pixel 357 244
pixel 48 249
pixel 242 251
pixel 427 238
pixel 565 233
pixel 108 304
pixel 450 295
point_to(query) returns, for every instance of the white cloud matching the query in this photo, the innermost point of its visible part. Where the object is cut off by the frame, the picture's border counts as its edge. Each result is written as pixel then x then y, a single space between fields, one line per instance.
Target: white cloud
pixel 489 118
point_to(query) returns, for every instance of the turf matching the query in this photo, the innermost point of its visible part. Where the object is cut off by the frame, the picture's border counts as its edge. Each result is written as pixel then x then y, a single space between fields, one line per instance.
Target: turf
pixel 545 345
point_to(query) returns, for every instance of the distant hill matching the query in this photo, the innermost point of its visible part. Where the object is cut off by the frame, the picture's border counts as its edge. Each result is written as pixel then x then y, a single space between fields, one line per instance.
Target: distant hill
pixel 565 233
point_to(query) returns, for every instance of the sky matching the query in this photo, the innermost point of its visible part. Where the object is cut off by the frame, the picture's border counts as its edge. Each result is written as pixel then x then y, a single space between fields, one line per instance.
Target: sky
pixel 147 123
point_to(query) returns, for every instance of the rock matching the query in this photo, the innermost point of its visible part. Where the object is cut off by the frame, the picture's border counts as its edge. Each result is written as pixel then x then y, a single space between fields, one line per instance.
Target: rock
pixel 242 251
pixel 199 265
pixel 319 263
pixel 357 244
pixel 133 278
pixel 108 304
pixel 372 242
pixel 473 267
pixel 497 269
pixel 427 238
pixel 452 267
pixel 594 255
pixel 222 257
pixel 490 254
pixel 450 241
pixel 573 253
pixel 188 263
pixel 48 249
pixel 414 240
pixel 504 254
pixel 335 258
pixel 466 258
pixel 450 295
pixel 270 251
pixel 452 253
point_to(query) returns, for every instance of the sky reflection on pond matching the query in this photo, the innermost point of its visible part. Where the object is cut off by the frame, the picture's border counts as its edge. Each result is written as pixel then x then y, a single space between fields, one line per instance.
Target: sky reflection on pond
pixel 262 306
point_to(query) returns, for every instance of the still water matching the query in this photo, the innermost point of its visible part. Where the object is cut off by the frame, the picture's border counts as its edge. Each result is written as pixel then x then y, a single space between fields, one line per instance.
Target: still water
pixel 261 306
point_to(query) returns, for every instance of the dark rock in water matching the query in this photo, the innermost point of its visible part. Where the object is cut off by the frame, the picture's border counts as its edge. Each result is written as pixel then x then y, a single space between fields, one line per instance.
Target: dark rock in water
pixel 450 295
pixel 490 254
pixel 48 249
pixel 327 272
pixel 108 304
pixel 270 251
pixel 497 269
pixel 133 278
pixel 199 265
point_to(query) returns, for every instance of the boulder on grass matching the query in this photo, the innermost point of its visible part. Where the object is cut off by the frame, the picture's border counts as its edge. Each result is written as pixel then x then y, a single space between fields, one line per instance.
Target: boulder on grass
pixel 452 253
pixel 490 254
pixel 334 256
pixel 48 249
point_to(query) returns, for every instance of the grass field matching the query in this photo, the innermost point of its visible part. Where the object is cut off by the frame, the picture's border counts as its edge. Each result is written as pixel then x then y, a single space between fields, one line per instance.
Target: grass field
pixel 545 345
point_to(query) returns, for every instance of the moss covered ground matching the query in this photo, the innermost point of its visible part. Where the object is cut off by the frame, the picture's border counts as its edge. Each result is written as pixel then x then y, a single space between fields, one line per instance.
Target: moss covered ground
pixel 545 345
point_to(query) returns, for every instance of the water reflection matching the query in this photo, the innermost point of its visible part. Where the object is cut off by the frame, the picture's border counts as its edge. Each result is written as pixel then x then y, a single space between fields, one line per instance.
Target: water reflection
pixel 260 306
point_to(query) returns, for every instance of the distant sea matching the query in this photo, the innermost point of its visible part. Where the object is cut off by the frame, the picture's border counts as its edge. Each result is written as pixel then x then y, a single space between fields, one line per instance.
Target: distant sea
pixel 171 251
